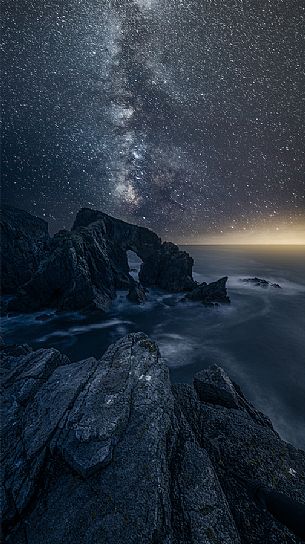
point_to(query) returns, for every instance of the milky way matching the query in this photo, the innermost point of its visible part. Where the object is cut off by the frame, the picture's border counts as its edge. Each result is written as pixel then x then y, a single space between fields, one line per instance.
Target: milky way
pixel 184 115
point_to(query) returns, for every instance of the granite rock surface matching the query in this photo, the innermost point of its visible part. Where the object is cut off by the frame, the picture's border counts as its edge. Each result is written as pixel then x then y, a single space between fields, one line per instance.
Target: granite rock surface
pixel 107 451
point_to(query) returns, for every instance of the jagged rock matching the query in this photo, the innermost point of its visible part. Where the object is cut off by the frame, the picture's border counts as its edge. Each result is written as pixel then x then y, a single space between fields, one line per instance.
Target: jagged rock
pixel 123 235
pixel 211 293
pixel 76 274
pixel 168 268
pixel 244 448
pixel 98 451
pixel 107 451
pixel 22 375
pixel 24 240
pixel 164 265
pixel 213 386
pixel 258 282
pixel 13 349
pixel 82 269
pixel 137 294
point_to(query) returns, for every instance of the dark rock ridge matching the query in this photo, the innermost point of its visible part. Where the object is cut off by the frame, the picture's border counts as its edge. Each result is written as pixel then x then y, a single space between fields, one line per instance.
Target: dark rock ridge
pixel 210 293
pixel 76 273
pixel 82 268
pixel 24 241
pixel 258 282
pixel 106 451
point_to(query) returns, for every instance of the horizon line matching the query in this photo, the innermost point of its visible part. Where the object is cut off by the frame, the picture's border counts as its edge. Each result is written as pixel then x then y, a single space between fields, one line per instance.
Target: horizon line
pixel 296 244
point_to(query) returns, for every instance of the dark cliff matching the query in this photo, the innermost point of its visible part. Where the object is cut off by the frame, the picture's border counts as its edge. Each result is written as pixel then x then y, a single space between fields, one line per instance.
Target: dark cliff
pixel 24 241
pixel 82 269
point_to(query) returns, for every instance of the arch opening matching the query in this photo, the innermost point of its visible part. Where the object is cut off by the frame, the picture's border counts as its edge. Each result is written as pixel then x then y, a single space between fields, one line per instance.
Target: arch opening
pixel 134 263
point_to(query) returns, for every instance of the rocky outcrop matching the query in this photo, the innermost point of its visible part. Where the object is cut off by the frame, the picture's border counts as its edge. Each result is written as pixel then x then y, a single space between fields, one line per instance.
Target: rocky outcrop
pixel 108 452
pixel 137 294
pixel 24 241
pixel 213 386
pixel 77 273
pixel 258 472
pixel 210 293
pixel 164 265
pixel 120 234
pixel 259 282
pixel 82 269
pixel 168 268
pixel 98 451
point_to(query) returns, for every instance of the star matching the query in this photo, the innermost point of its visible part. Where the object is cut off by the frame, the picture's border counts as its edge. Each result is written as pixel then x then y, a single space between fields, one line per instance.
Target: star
pixel 185 112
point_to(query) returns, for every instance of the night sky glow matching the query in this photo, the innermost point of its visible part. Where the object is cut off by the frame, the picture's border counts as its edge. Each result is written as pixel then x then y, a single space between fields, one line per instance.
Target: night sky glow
pixel 185 116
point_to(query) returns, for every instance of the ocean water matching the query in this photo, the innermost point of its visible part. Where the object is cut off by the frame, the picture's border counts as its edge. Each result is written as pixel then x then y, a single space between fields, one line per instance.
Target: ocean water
pixel 259 339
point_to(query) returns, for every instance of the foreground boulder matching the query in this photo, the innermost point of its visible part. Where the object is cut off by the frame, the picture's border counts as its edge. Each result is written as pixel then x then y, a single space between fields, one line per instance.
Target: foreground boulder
pixel 261 475
pixel 213 386
pixel 210 293
pixel 98 451
pixel 24 241
pixel 108 452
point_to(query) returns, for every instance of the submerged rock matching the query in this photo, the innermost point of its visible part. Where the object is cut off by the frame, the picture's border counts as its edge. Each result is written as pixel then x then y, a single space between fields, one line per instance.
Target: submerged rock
pixel 210 293
pixel 258 282
pixel 107 451
pixel 44 317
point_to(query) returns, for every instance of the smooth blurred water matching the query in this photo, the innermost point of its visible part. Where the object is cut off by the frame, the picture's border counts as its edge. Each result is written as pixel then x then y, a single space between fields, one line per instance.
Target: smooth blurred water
pixel 259 338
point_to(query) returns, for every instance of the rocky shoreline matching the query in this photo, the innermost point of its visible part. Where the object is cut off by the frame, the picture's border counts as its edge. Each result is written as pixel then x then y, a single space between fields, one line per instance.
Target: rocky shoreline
pixel 82 269
pixel 108 451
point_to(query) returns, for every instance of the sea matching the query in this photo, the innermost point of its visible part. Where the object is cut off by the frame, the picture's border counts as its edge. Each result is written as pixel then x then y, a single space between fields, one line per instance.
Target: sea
pixel 259 339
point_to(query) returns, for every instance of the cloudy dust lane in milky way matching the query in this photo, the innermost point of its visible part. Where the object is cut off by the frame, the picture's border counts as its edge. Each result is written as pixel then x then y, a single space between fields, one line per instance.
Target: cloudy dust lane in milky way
pixel 183 116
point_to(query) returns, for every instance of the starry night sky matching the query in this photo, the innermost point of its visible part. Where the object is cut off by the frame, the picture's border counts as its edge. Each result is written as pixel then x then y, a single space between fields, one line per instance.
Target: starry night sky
pixel 185 116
